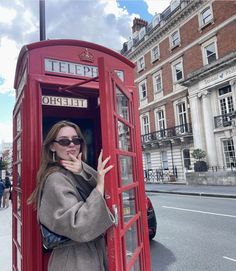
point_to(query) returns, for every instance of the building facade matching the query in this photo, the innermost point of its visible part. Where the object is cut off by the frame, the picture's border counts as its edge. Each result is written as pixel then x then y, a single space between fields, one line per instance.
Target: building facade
pixel 186 78
pixel 6 156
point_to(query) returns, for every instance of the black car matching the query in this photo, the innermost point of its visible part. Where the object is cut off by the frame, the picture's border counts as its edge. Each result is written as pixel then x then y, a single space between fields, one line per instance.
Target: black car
pixel 151 216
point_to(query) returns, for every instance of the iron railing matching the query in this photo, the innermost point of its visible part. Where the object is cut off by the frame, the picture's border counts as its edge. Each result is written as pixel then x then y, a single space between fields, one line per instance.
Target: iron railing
pixel 223 120
pixel 176 131
pixel 160 175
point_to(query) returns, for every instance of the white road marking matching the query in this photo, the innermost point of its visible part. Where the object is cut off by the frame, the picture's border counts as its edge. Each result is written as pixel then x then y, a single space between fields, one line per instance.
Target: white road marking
pixel 231 259
pixel 197 211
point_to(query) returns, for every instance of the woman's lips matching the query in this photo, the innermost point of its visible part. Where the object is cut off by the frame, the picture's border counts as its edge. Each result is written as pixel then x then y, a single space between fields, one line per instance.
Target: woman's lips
pixel 71 152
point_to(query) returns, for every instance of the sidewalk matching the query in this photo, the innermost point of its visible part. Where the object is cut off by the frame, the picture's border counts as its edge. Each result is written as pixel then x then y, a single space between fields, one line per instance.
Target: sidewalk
pixel 195 190
pixel 5 238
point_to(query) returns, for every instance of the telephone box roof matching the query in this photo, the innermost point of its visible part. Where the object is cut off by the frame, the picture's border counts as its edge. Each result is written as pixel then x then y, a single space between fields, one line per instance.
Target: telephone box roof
pixel 68 42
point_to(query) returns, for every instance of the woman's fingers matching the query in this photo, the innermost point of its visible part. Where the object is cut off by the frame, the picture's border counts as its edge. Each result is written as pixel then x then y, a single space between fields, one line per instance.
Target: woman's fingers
pixel 100 156
pixel 75 164
pixel 102 164
pixel 108 169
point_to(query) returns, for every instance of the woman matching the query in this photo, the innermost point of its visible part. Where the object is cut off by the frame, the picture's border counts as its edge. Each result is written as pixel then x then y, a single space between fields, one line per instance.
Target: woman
pixel 6 194
pixel 70 200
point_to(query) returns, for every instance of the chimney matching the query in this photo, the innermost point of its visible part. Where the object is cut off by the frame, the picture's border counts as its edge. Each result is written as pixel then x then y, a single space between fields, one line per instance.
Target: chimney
pixel 138 24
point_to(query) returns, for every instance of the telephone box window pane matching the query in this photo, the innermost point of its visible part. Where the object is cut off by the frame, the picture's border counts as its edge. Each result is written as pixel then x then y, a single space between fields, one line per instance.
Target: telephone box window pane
pixel 18 260
pixel 18 123
pixel 126 169
pixel 124 136
pixel 136 266
pixel 122 104
pixel 128 199
pixel 18 225
pixel 18 146
pixel 18 203
pixel 131 238
pixel 18 175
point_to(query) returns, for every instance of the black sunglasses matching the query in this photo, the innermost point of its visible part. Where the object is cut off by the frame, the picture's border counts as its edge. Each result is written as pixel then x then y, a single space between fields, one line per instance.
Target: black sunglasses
pixel 66 141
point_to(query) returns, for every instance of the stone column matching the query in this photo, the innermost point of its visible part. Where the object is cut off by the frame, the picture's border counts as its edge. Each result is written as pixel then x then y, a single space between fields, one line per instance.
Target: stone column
pixel 233 88
pixel 234 131
pixel 197 122
pixel 209 129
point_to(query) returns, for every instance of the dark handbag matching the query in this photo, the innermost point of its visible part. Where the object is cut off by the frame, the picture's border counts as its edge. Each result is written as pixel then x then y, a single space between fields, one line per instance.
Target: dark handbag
pixel 51 239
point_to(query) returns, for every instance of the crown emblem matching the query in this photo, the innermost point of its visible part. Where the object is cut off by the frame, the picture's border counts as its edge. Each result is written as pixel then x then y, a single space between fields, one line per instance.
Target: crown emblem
pixel 86 56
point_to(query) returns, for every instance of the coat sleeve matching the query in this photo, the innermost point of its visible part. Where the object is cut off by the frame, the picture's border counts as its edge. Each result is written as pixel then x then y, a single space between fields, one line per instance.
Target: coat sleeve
pixel 64 212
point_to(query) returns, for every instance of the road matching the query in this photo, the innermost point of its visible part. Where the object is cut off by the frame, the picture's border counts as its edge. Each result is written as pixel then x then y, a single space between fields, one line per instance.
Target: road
pixel 194 233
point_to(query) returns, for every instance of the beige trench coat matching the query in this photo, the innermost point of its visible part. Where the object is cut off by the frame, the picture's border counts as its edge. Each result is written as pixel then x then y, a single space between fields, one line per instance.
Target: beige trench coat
pixel 63 211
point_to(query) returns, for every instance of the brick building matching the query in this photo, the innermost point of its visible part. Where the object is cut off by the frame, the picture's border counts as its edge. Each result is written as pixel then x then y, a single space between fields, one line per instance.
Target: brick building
pixel 186 78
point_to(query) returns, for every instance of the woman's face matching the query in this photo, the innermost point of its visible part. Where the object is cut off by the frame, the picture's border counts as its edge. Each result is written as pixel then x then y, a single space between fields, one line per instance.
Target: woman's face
pixel 59 147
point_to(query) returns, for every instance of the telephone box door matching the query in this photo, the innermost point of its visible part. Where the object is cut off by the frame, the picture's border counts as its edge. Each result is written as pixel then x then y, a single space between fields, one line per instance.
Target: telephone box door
pixel 128 242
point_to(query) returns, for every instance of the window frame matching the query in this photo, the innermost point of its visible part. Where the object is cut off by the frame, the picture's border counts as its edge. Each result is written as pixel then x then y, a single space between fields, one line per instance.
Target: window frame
pixel 164 160
pixel 147 161
pixel 175 104
pixel 142 33
pixel 155 90
pixel 141 64
pixel 229 142
pixel 204 52
pixel 203 24
pixel 153 58
pixel 174 74
pixel 171 40
pixel 141 97
pixel 145 126
pixel 158 127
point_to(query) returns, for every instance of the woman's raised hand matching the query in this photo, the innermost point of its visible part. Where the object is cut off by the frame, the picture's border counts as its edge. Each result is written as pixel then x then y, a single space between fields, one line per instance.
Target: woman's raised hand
pixel 74 165
pixel 102 171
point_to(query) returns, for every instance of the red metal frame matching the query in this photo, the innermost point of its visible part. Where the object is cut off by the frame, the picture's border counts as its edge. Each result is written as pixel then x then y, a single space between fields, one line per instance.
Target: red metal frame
pixel 108 82
pixel 31 81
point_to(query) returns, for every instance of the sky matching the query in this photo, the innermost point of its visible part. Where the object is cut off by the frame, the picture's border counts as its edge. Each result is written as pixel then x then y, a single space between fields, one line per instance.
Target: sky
pixel 105 22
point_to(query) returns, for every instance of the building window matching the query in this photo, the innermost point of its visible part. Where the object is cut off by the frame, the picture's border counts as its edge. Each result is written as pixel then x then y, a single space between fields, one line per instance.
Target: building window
pixel 130 43
pixel 143 90
pixel 226 105
pixel 155 53
pixel 175 39
pixel 229 153
pixel 157 83
pixel 206 16
pixel 160 117
pixel 210 53
pixel 182 118
pixel 145 125
pixel 156 19
pixel 177 71
pixel 226 100
pixel 187 160
pixel 225 90
pixel 142 33
pixel 147 161
pixel 164 160
pixel 141 64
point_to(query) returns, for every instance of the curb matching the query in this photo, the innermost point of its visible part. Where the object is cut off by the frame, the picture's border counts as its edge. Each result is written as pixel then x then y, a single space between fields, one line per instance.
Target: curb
pixel 201 194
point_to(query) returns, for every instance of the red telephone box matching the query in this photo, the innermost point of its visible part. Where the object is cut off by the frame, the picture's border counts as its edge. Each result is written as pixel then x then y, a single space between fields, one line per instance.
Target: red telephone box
pixel 94 87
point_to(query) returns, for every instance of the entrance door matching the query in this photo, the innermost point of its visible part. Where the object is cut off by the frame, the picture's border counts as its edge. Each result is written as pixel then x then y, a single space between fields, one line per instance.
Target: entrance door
pixel 128 244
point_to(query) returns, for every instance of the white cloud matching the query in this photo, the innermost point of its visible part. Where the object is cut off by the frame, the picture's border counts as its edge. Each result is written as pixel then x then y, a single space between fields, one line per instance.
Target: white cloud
pixel 8 55
pixel 100 21
pixel 157 6
pixel 6 132
pixel 7 15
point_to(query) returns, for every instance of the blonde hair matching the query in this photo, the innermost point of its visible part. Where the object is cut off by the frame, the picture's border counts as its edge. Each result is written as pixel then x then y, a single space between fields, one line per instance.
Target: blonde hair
pixel 48 164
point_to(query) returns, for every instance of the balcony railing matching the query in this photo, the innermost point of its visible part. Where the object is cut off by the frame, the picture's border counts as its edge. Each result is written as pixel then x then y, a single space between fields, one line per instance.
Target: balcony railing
pixel 169 133
pixel 223 120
